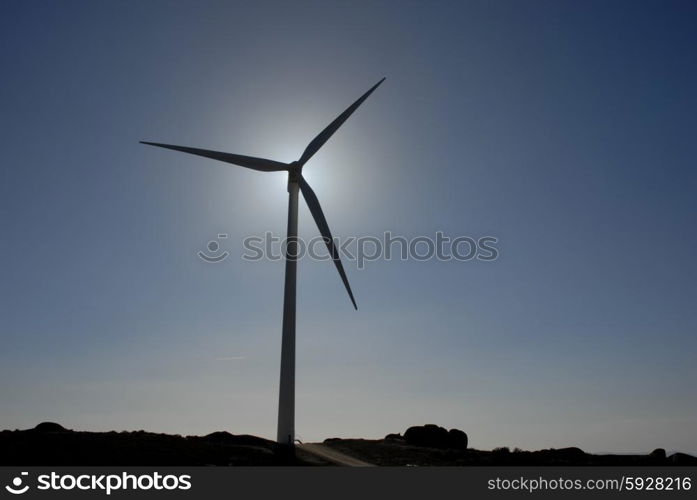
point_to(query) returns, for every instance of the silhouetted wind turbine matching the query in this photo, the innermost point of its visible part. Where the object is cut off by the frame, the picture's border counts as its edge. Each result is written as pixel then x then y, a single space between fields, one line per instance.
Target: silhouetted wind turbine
pixel 286 398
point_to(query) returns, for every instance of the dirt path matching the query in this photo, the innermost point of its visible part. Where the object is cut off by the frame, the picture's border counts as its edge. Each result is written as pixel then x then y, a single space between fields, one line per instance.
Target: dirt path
pixel 336 457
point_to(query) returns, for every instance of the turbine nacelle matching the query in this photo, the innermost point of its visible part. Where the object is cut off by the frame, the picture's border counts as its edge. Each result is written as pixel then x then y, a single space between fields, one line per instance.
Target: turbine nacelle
pixel 295 170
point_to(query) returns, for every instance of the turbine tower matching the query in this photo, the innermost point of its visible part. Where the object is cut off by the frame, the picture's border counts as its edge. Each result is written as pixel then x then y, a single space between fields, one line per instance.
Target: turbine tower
pixel 296 182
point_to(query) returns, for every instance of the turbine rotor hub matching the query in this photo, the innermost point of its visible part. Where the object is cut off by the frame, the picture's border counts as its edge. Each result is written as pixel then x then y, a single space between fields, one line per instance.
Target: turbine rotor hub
pixel 294 170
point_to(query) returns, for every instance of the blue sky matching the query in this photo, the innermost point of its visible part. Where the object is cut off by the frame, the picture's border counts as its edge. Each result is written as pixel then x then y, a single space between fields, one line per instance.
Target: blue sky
pixel 564 129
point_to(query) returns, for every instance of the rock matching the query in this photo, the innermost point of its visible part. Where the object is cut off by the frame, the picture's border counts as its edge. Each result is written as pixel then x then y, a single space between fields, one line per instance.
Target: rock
pixel 658 453
pixel 224 438
pixel 429 435
pixel 457 439
pixel 571 454
pixel 394 437
pixel 50 427
pixel 562 456
pixel 433 436
pixel 219 437
pixel 683 459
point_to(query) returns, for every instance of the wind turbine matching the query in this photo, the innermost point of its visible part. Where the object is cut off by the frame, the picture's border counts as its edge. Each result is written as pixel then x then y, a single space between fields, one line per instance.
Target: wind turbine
pixel 286 397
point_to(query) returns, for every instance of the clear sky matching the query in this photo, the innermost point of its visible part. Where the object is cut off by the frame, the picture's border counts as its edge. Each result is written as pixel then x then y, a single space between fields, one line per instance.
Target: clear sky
pixel 564 129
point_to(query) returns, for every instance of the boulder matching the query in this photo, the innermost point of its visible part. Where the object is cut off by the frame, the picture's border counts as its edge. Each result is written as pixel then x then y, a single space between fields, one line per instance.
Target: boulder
pixel 658 453
pixel 571 454
pixel 457 439
pixel 429 435
pixel 683 459
pixel 219 437
pixel 50 427
pixel 224 438
pixel 394 437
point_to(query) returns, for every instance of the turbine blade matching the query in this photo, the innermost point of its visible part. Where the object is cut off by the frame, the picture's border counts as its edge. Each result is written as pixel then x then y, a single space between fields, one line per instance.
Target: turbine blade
pixel 318 215
pixel 324 136
pixel 243 161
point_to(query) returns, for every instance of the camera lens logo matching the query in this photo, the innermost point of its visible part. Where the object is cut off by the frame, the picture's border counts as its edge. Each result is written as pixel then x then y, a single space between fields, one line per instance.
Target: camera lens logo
pixel 214 247
pixel 16 488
